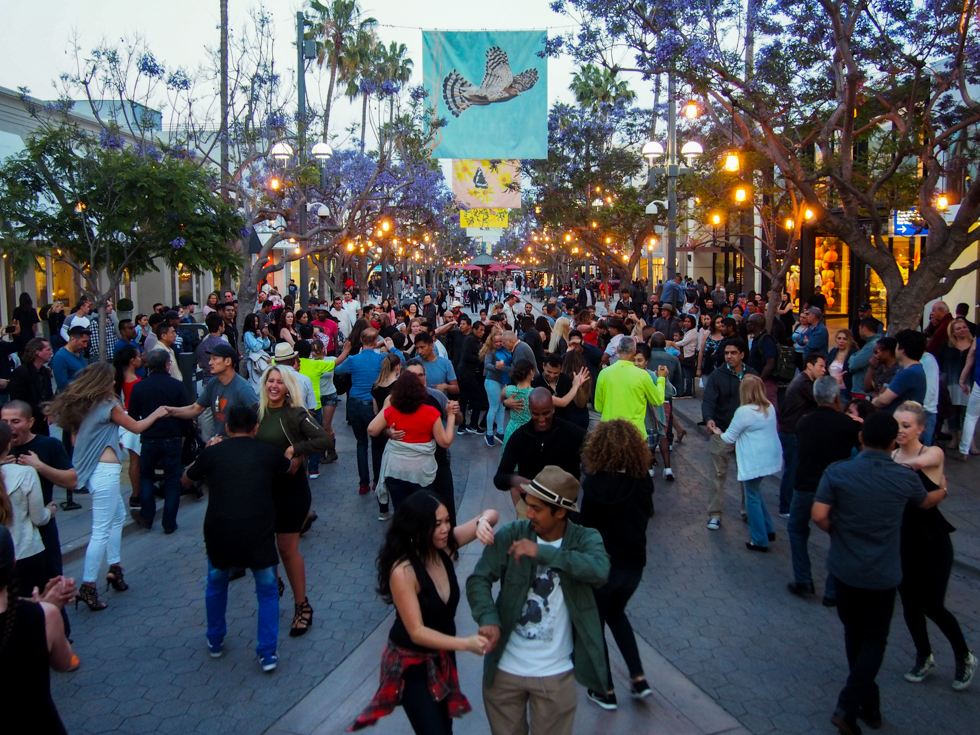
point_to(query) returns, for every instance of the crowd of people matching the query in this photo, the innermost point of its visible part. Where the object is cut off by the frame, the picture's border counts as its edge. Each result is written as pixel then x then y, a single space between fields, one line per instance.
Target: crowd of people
pixel 855 425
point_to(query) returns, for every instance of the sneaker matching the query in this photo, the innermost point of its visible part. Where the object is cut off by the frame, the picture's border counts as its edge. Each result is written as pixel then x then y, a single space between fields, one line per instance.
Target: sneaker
pixel 363 490
pixel 384 515
pixel 314 475
pixel 668 474
pixel 800 590
pixel 965 668
pixel 461 431
pixel 268 662
pixel 640 689
pixel 606 701
pixel 472 431
pixel 652 472
pixel 216 650
pixel 714 524
pixel 784 515
pixel 922 668
pixel 490 441
pixel 500 437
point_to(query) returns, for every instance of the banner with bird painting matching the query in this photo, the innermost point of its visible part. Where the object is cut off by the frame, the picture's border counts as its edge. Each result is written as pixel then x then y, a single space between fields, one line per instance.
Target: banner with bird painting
pixel 490 88
pixel 487 182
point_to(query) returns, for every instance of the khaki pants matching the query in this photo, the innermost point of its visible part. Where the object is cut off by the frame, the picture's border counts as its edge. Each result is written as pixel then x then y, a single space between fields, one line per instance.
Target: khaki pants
pixel 722 454
pixel 552 700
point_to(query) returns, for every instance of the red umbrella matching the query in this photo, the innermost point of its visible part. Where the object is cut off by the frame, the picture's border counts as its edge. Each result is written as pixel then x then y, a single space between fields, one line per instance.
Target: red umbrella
pixel 514 267
pixel 497 268
pixel 471 268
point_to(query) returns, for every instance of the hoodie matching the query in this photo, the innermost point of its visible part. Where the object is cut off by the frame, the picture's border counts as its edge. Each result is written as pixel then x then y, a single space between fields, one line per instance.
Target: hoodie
pixel 619 507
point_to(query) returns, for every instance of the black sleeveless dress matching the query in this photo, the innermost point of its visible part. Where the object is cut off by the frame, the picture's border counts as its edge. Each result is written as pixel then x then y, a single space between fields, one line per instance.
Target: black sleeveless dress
pixel 24 662
pixel 926 547
pixel 436 614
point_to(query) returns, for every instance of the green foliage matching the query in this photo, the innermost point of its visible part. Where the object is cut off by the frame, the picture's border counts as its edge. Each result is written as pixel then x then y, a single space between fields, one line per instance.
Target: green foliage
pixel 105 207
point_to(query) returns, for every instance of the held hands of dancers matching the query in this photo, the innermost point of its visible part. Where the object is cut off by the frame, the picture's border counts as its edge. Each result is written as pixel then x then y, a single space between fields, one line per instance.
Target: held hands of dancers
pixel 58 592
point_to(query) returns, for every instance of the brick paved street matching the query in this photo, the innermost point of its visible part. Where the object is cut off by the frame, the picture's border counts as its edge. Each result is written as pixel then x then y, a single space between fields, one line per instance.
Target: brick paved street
pixel 718 615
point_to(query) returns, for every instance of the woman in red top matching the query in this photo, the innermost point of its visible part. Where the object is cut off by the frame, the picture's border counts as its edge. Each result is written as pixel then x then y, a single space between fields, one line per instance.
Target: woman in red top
pixel 409 463
pixel 127 361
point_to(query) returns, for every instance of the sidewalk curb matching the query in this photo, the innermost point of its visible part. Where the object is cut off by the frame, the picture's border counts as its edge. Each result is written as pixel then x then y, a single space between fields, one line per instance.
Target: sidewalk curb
pixel 968 566
pixel 75 550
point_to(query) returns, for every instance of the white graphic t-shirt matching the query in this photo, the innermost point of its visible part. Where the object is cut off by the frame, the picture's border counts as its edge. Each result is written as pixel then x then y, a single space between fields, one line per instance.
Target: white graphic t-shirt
pixel 541 644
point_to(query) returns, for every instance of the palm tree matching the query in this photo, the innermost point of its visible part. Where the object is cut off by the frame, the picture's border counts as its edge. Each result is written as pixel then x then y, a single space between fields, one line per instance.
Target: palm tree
pixel 358 71
pixel 593 86
pixel 336 32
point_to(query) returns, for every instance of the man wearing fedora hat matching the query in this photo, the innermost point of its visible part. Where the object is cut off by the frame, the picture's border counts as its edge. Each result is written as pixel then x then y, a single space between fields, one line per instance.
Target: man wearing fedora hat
pixel 543 630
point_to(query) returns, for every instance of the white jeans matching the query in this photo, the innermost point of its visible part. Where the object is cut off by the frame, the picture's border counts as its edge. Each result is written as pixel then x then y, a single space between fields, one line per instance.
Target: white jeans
pixel 970 420
pixel 108 515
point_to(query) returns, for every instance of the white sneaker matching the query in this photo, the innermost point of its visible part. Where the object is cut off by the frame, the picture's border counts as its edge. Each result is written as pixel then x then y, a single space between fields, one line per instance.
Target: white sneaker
pixel 714 524
pixel 668 474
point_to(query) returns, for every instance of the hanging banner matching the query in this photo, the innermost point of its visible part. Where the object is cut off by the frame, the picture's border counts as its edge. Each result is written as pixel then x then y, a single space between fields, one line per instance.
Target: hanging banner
pixel 491 89
pixel 483 218
pixel 488 183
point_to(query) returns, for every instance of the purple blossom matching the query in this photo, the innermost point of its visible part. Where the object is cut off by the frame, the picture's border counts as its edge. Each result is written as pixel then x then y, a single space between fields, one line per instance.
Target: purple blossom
pixel 178 80
pixel 110 139
pixel 389 87
pixel 147 64
pixel 418 93
pixel 245 232
pixel 177 243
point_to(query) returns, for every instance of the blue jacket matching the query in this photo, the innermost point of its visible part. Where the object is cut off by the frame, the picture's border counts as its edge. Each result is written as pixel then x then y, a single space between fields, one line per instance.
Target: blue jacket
pixel 857 363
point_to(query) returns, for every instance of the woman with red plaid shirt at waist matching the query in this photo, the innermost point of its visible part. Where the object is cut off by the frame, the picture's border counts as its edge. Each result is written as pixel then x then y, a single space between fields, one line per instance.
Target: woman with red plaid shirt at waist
pixel 415 572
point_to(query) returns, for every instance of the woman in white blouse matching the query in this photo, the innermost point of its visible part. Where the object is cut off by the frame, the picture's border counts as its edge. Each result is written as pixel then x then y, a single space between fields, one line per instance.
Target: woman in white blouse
pixel 22 510
pixel 754 433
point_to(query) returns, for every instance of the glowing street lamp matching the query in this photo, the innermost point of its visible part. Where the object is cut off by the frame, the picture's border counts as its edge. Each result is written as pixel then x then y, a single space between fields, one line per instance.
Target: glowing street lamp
pixel 732 163
pixel 281 151
pixel 942 202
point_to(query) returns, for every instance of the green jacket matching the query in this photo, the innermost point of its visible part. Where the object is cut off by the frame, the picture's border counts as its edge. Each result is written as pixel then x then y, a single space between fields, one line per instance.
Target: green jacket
pixel 582 563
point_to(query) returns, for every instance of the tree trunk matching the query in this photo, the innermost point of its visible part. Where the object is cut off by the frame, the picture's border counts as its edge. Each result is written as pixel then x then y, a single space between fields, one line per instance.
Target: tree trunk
pixel 333 80
pixel 364 101
pixel 103 317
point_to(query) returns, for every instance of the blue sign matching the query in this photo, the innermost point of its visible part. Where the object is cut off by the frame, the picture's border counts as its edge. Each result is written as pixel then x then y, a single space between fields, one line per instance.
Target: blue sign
pixel 907 223
pixel 491 89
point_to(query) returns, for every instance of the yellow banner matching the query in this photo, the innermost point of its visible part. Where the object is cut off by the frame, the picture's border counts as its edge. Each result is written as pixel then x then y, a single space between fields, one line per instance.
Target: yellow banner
pixel 483 217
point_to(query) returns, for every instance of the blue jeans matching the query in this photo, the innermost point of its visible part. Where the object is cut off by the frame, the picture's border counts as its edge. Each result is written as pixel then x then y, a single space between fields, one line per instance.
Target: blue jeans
pixel 789 471
pixel 495 414
pixel 360 414
pixel 760 524
pixel 152 453
pixel 313 461
pixel 267 592
pixel 798 529
pixel 929 433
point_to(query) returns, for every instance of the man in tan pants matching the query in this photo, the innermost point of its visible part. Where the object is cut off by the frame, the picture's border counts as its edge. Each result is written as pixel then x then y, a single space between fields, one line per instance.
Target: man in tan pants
pixel 547 567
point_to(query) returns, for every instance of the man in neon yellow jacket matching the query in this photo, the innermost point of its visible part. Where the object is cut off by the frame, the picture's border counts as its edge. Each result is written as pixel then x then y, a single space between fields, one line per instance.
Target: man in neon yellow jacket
pixel 624 390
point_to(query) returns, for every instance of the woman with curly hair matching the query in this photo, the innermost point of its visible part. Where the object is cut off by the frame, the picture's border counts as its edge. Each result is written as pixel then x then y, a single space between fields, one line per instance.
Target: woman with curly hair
pixel 416 574
pixel 617 501
pixel 89 407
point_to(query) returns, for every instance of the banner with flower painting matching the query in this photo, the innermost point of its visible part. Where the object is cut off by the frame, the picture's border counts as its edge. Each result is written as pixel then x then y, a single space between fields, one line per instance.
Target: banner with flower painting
pixel 483 217
pixel 487 183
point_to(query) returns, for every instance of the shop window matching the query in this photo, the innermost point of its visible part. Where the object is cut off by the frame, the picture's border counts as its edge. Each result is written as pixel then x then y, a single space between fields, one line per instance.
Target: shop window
pixel 40 287
pixel 832 266
pixel 63 286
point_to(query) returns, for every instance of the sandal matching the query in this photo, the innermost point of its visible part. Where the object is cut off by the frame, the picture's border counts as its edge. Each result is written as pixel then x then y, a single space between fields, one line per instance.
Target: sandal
pixel 115 579
pixel 90 596
pixel 302 619
pixel 282 587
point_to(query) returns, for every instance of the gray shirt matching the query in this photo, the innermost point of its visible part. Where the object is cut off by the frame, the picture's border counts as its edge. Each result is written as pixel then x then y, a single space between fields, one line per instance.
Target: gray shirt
pixel 96 432
pixel 522 351
pixel 305 384
pixel 867 496
pixel 222 398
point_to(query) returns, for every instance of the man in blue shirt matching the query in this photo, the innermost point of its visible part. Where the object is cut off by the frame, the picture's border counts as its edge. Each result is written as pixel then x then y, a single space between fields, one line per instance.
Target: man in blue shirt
pixel 439 372
pixel 861 502
pixel 910 382
pixel 70 359
pixel 127 336
pixel 815 337
pixel 364 368
pixel 673 293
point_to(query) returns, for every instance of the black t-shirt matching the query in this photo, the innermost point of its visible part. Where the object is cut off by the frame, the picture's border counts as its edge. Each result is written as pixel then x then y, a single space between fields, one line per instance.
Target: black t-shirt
pixel 240 524
pixel 389 331
pixel 823 437
pixel 561 388
pixel 52 453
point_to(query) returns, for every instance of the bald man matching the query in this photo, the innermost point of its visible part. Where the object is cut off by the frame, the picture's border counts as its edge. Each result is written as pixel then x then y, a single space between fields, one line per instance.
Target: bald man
pixel 542 441
pixel 938 329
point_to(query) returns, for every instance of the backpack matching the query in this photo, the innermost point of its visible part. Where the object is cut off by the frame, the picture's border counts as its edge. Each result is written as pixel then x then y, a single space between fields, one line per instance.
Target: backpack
pixel 785 362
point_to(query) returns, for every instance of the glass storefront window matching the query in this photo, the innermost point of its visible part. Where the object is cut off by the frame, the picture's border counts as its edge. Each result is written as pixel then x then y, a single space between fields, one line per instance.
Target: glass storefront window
pixel 63 284
pixel 832 266
pixel 40 288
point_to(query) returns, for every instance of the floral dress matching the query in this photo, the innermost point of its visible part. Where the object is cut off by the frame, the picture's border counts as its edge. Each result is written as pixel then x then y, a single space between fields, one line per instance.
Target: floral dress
pixel 517 418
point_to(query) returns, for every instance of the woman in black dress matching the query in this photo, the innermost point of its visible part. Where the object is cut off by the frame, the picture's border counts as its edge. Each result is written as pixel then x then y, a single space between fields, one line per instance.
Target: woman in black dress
pixel 287 425
pixel 32 641
pixel 26 316
pixel 415 572
pixel 927 556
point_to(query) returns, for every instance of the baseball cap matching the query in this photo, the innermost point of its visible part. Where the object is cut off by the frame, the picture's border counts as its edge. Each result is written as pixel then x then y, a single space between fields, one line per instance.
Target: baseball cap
pixel 223 349
pixel 815 311
pixel 172 315
pixel 187 301
pixel 864 307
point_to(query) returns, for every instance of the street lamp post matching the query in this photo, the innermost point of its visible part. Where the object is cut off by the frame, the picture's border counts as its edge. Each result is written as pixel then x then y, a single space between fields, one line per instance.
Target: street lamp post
pixel 672 168
pixel 304 50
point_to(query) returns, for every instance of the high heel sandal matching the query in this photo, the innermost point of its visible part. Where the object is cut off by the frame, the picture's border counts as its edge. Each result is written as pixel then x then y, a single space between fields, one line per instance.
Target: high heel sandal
pixel 282 587
pixel 115 579
pixel 90 596
pixel 302 619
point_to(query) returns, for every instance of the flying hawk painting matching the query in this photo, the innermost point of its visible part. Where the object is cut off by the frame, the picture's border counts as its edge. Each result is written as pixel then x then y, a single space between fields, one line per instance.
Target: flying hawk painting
pixel 499 84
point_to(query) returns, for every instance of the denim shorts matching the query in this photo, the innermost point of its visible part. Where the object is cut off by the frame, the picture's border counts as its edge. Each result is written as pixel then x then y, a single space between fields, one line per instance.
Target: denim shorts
pixel 331 400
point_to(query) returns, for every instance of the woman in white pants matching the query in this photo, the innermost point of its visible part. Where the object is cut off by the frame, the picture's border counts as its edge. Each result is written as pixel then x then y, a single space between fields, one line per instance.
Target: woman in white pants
pixel 90 409
pixel 973 407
